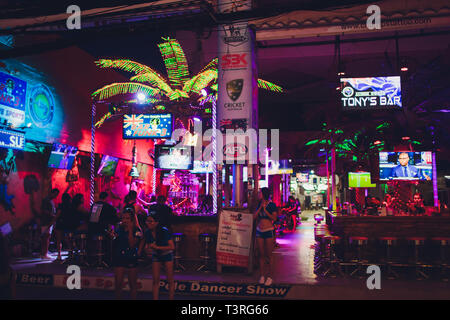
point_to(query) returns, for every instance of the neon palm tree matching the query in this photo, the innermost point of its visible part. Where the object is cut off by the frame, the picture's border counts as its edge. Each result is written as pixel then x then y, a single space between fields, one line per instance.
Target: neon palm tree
pixel 159 91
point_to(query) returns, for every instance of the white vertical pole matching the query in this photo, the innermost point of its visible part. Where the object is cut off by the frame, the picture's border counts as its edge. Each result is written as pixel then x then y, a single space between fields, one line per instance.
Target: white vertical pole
pixel 92 180
pixel 214 159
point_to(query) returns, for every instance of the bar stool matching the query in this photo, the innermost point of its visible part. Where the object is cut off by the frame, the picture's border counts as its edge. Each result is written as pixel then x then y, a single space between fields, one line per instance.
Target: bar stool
pixel 334 263
pixel 99 253
pixel 319 253
pixel 443 260
pixel 70 239
pixel 389 243
pixel 206 239
pixel 418 244
pixel 82 249
pixel 359 260
pixel 177 239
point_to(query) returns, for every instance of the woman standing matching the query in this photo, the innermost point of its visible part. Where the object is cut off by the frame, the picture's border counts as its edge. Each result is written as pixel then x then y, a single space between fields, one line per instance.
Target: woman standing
pixel 62 213
pixel 159 242
pixel 265 214
pixel 125 248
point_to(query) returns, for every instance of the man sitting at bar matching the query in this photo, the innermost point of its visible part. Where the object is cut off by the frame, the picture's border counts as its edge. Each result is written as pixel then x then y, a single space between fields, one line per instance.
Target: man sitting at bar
pixel 416 207
pixel 103 215
pixel 161 212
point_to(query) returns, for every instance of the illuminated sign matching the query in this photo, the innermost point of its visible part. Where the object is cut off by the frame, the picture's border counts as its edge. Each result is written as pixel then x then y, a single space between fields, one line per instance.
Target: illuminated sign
pixel 371 93
pixel 12 140
pixel 13 92
pixel 234 61
pixel 147 126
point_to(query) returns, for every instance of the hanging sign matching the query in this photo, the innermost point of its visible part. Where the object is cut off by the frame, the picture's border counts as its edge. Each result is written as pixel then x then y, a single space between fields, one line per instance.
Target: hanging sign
pixel 13 92
pixel 12 140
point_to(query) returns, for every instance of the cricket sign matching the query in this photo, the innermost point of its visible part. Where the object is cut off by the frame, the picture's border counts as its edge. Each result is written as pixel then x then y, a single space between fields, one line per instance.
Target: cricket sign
pixel 238 88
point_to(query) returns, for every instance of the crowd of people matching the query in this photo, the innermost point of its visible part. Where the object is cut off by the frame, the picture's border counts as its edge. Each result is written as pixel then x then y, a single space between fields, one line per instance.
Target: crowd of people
pixel 136 231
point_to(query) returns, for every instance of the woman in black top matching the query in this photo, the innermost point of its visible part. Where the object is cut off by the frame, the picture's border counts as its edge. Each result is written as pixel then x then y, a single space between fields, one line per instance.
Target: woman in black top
pixel 125 248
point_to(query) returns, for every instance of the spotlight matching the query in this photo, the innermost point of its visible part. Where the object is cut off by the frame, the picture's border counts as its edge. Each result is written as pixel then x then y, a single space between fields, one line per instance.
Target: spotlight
pixel 406 138
pixel 404 69
pixel 377 142
pixel 196 119
pixel 141 97
pixel 204 92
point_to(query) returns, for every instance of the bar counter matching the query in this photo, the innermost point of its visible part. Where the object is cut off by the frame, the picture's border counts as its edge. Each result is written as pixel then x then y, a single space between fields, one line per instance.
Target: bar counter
pixel 391 226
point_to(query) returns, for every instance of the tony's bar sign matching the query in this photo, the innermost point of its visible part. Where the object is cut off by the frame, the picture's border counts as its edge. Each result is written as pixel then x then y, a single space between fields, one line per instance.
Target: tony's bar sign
pixel 371 93
pixel 12 140
pixel 147 126
pixel 13 92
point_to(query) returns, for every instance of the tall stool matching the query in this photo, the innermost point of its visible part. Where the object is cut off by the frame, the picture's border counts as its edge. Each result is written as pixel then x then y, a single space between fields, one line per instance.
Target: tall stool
pixel 359 259
pixel 418 244
pixel 177 239
pixel 206 239
pixel 389 261
pixel 70 239
pixel 99 253
pixel 334 263
pixel 444 257
pixel 319 253
pixel 82 249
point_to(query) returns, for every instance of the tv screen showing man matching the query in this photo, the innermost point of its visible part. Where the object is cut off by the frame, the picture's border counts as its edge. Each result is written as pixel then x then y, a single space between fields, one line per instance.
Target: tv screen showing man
pixel 405 165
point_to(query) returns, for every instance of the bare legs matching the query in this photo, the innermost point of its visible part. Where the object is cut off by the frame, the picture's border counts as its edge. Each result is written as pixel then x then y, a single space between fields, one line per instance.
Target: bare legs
pixel 265 248
pixel 156 269
pixel 132 281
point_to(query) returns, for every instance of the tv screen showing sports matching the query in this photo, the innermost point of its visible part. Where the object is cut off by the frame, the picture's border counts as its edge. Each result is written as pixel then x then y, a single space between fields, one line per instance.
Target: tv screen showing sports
pixel 173 158
pixel 278 167
pixel 360 180
pixel 108 166
pixel 202 167
pixel 406 165
pixel 147 126
pixel 371 93
pixel 62 156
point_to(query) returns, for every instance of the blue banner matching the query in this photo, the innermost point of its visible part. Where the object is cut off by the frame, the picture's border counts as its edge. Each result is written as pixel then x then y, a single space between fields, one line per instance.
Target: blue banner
pixel 13 92
pixel 12 140
pixel 147 126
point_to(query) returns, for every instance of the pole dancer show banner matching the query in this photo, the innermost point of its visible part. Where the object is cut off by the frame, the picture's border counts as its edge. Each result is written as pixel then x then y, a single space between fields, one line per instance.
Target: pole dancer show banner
pixel 238 88
pixel 234 238
pixel 13 93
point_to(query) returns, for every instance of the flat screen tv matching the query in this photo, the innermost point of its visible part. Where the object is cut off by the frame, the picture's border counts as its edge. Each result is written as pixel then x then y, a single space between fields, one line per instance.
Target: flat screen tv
pixel 202 167
pixel 371 93
pixel 406 165
pixel 62 156
pixel 174 157
pixel 108 166
pixel 360 180
pixel 147 126
pixel 278 167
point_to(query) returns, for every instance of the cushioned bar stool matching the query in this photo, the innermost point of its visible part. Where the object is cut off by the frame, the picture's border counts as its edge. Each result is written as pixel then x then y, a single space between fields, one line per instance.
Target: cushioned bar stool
pixel 99 252
pixel 82 249
pixel 360 244
pixel 177 239
pixel 319 253
pixel 70 239
pixel 443 260
pixel 206 240
pixel 388 244
pixel 333 261
pixel 418 244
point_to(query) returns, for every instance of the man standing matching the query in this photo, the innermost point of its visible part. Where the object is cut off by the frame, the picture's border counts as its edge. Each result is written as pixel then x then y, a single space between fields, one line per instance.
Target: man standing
pixel 103 215
pixel 404 169
pixel 161 212
pixel 46 219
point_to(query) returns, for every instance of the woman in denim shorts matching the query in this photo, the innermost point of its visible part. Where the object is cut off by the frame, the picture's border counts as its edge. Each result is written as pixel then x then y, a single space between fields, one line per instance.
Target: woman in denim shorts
pixel 159 241
pixel 265 214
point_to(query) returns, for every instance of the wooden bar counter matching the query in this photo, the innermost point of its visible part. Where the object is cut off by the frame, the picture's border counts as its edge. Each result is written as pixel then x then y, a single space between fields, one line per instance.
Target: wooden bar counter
pixel 394 226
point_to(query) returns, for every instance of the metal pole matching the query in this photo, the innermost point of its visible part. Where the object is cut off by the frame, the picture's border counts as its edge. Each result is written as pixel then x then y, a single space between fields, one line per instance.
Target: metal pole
pixel 214 160
pixel 92 178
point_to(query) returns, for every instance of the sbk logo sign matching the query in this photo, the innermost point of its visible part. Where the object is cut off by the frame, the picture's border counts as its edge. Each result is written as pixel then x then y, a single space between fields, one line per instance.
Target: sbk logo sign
pixel 234 61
